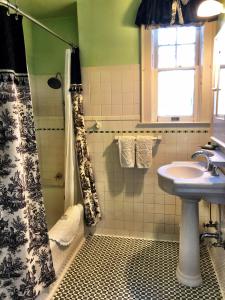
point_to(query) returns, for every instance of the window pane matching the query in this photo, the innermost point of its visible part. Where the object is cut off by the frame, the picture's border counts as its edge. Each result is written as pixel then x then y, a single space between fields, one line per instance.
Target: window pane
pixel 221 95
pixel 166 57
pixel 186 56
pixel 166 36
pixel 175 93
pixel 186 35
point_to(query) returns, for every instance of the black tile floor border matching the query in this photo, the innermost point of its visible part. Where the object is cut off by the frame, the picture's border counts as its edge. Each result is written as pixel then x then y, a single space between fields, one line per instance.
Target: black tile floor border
pixel 113 268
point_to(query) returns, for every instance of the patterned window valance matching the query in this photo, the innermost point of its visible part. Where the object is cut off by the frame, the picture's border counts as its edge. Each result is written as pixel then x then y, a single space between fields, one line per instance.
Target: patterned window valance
pixel 169 12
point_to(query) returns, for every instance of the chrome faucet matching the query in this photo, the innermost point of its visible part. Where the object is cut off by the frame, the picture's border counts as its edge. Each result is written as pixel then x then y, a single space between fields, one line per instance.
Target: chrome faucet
pixel 203 154
pixel 209 165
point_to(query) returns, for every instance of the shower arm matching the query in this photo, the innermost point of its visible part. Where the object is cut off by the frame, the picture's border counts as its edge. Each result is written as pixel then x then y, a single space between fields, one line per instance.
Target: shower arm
pixel 19 11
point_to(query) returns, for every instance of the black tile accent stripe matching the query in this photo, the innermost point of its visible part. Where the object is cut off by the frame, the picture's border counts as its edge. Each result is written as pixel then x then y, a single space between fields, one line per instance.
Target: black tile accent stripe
pixel 129 131
pixel 111 268
pixel 148 131
pixel 49 129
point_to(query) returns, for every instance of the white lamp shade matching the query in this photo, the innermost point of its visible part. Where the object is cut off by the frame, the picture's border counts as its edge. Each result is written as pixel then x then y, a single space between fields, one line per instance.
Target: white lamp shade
pixel 209 8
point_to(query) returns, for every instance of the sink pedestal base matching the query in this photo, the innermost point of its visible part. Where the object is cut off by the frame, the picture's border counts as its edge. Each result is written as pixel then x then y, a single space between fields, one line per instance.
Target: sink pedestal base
pixel 188 270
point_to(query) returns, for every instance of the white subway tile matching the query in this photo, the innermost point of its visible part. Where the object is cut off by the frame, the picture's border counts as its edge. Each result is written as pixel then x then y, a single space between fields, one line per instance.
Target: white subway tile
pixel 106 110
pixel 170 209
pixel 117 110
pixel 131 200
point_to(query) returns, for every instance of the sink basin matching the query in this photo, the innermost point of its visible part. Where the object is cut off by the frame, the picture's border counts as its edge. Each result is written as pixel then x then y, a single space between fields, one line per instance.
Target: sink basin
pixel 190 179
pixel 183 172
pixel 191 182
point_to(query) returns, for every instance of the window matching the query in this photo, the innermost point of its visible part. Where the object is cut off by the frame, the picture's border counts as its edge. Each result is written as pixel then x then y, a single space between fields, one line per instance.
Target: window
pixel 219 75
pixel 173 68
pixel 175 58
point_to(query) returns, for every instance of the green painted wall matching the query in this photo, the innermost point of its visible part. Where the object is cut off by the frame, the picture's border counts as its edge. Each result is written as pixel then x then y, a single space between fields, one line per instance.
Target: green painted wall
pixel 48 51
pixel 47 8
pixel 45 53
pixel 107 34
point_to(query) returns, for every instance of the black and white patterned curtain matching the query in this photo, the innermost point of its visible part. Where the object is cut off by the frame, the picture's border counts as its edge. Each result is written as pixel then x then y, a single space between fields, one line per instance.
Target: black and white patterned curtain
pixel 87 181
pixel 25 258
pixel 169 12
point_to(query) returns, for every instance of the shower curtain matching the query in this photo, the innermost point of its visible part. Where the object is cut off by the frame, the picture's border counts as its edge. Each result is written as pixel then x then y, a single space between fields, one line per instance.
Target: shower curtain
pixel 87 181
pixel 70 164
pixel 25 257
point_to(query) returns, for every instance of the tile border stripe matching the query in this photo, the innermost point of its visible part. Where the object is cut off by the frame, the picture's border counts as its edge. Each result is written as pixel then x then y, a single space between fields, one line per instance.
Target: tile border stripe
pixel 49 129
pixel 147 131
pixel 129 131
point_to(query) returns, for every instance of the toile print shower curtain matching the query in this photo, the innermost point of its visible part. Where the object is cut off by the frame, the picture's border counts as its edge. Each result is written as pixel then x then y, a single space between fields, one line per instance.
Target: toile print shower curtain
pixel 87 181
pixel 25 257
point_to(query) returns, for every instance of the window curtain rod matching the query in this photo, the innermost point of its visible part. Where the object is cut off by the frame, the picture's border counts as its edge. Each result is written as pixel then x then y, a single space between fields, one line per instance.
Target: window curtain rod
pixel 19 11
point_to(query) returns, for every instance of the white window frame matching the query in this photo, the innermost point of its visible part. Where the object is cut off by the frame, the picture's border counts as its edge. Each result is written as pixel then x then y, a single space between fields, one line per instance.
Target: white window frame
pixel 218 64
pixel 203 102
pixel 216 90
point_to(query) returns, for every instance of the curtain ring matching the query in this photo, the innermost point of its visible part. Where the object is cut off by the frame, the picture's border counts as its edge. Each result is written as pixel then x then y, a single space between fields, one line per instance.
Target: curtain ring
pixel 17 14
pixel 8 12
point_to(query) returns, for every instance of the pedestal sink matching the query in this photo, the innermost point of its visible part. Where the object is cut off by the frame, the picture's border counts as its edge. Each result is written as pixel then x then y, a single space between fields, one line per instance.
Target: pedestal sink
pixel 191 182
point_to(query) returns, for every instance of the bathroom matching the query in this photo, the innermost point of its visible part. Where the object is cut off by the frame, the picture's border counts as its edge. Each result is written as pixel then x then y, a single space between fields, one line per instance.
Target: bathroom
pixel 129 245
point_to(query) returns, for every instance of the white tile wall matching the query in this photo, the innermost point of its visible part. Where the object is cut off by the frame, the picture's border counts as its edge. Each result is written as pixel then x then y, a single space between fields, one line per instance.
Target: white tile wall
pixel 46 101
pixel 218 129
pixel 218 257
pixel 131 201
pixel 218 254
pixel 112 91
pixel 48 113
pixel 51 157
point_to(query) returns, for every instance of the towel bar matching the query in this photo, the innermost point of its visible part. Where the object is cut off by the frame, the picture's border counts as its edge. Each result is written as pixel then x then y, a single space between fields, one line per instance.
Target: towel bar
pixel 155 138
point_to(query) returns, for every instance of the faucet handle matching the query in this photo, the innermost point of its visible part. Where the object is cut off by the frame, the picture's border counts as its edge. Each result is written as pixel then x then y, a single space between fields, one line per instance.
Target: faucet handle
pixel 210 166
pixel 215 170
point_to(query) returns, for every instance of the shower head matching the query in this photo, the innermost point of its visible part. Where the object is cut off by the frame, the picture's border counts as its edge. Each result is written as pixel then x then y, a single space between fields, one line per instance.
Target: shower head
pixel 55 82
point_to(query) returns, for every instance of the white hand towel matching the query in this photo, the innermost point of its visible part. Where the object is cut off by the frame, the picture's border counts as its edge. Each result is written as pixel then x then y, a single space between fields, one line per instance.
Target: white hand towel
pixel 144 152
pixel 65 230
pixel 127 151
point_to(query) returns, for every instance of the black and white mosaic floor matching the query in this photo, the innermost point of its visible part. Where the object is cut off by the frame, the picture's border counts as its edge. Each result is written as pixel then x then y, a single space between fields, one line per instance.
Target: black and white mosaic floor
pixel 111 268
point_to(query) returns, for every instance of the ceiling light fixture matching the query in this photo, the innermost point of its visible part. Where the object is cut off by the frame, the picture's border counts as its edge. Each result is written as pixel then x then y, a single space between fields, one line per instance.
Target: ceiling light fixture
pixel 210 8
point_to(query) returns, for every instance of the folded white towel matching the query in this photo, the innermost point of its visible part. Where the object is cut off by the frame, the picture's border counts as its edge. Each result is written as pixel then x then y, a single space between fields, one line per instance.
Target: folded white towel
pixel 127 151
pixel 144 152
pixel 64 231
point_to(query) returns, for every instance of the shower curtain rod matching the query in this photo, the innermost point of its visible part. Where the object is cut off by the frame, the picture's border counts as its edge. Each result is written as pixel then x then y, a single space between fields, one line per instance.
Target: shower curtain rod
pixel 19 11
